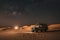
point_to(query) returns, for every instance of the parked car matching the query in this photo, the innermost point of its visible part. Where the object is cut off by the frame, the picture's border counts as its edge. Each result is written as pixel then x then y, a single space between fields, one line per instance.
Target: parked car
pixel 40 28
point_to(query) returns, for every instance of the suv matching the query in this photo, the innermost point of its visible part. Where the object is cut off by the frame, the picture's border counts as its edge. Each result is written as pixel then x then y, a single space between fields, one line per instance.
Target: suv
pixel 40 28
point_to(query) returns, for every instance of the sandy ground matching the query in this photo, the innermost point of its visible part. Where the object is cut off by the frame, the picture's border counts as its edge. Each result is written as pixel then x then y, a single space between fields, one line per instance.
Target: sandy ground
pixel 16 35
pixel 26 34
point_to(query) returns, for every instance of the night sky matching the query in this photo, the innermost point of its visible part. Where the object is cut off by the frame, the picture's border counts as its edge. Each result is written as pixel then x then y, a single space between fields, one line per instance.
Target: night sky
pixel 19 12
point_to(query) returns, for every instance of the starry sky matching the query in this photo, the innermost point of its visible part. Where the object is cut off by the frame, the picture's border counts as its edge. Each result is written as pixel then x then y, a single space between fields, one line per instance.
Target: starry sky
pixel 19 12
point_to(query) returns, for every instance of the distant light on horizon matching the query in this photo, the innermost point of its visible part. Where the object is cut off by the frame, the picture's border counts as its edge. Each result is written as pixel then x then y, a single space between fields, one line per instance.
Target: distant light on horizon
pixel 16 27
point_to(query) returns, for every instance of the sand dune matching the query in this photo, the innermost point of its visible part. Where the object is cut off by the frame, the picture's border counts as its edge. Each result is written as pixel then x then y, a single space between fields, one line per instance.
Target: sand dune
pixel 54 27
